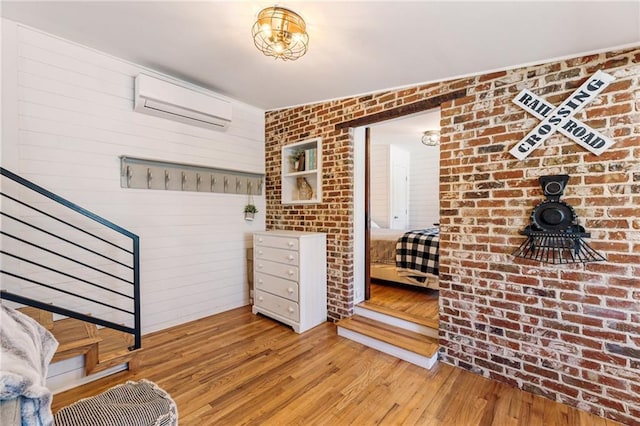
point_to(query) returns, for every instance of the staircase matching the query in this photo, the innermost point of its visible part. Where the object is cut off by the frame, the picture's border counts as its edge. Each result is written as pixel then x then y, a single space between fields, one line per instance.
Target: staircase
pixel 102 348
pixel 405 336
pixel 59 258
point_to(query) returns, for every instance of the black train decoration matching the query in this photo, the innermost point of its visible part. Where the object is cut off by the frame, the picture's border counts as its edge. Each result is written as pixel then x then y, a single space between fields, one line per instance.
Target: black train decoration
pixel 554 235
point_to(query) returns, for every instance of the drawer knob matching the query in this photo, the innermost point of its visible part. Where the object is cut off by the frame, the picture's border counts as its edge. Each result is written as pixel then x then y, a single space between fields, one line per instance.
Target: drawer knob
pixel 290 243
pixel 260 281
pixel 290 310
pixel 261 298
pixel 260 240
pixel 290 257
pixel 260 252
pixel 289 290
pixel 260 266
pixel 290 272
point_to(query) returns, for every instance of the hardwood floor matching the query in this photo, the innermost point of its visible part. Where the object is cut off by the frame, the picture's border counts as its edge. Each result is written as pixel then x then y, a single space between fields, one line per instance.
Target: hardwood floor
pixel 238 368
pixel 420 302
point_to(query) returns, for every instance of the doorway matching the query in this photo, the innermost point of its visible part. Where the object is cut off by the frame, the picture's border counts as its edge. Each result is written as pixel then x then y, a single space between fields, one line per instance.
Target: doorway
pixel 403 187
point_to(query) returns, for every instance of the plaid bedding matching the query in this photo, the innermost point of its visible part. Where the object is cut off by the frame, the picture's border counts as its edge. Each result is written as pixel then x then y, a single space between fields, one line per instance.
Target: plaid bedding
pixel 417 253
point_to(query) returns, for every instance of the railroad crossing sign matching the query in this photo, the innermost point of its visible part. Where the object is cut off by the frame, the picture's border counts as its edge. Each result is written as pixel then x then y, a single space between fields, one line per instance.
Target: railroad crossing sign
pixel 561 118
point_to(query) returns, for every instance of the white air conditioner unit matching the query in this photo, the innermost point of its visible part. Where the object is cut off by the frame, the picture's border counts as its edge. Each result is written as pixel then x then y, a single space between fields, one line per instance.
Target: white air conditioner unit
pixel 168 100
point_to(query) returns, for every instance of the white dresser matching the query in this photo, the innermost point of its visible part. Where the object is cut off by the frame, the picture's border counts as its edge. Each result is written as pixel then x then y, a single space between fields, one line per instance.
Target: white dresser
pixel 290 277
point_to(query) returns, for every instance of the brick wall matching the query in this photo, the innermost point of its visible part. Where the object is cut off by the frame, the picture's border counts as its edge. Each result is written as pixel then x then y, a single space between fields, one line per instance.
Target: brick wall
pixel 567 332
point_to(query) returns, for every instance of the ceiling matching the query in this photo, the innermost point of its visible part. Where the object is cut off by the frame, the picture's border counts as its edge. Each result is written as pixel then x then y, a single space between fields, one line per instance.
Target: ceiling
pixel 355 47
pixel 407 130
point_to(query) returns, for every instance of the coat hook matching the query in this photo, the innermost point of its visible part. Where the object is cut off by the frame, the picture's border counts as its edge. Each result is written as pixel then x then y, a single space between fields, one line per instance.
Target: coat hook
pixel 129 175
pixel 149 174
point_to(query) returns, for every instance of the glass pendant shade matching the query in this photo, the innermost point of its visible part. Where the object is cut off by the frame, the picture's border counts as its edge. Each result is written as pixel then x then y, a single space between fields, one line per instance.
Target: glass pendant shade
pixel 431 138
pixel 280 33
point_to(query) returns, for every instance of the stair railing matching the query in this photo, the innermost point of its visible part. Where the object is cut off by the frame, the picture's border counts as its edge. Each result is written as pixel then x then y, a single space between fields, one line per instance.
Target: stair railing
pixel 34 225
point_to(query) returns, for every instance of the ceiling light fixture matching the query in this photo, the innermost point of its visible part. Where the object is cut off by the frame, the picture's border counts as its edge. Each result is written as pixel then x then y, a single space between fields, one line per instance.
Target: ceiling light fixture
pixel 431 138
pixel 280 33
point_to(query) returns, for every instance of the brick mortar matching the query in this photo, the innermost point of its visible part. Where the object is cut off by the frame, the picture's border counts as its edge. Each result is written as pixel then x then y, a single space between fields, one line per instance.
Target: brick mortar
pixel 486 198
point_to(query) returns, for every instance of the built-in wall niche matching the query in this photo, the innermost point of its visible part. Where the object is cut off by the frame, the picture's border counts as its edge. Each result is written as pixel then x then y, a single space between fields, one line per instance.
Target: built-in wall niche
pixel 141 173
pixel 302 172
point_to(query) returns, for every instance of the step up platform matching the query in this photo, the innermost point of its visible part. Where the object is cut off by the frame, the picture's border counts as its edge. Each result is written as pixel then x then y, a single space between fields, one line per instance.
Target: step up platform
pixel 418 324
pixel 410 346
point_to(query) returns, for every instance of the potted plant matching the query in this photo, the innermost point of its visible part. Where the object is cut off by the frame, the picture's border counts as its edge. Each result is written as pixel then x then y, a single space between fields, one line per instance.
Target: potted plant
pixel 250 211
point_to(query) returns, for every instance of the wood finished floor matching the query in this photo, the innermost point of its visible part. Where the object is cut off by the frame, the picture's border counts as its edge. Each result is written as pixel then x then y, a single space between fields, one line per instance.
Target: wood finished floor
pixel 421 302
pixel 237 368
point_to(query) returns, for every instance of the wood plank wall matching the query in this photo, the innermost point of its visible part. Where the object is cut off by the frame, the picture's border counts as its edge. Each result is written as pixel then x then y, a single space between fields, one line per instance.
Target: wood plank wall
pixel 68 116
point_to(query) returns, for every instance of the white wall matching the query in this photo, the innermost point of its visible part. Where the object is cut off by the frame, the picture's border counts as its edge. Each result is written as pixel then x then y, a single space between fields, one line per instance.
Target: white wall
pixel 424 205
pixel 67 115
pixel 380 175
pixel 424 190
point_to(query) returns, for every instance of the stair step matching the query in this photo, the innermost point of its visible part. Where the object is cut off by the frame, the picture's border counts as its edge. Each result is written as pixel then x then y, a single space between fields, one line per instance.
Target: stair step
pixel 399 337
pixel 409 346
pixel 74 338
pixel 113 351
pixel 44 318
pixel 102 348
pixel 114 342
pixel 427 322
pixel 418 324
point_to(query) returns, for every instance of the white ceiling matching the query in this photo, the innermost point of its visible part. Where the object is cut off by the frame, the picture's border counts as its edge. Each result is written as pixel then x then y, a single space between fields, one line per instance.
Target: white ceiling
pixel 406 131
pixel 355 47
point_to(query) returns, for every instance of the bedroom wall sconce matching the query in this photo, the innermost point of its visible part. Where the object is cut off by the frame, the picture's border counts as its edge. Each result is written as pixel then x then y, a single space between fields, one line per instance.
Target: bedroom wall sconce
pixel 280 33
pixel 431 138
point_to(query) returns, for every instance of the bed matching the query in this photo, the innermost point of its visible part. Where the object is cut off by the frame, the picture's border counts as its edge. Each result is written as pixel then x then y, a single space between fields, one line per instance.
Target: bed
pixel 405 257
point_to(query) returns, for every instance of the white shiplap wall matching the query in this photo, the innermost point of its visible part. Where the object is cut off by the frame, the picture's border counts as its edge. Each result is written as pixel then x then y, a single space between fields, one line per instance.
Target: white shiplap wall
pixel 67 115
pixel 424 190
pixel 379 190
pixel 424 205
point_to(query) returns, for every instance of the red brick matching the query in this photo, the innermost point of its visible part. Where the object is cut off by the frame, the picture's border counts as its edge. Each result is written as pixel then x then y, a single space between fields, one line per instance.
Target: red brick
pixel 601 356
pixel 607 291
pixel 486 199
pixel 541 371
pixel 582 384
pixel 579 319
pixel 581 341
pixel 609 111
pixel 595 311
pixel 558 387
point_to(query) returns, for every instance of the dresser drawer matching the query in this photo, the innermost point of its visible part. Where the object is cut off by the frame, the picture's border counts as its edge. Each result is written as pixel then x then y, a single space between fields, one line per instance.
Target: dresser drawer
pixel 277 305
pixel 276 242
pixel 288 272
pixel 290 257
pixel 278 286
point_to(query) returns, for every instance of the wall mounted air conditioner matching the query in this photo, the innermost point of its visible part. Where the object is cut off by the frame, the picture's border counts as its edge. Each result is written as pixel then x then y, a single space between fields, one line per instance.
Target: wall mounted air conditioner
pixel 168 100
